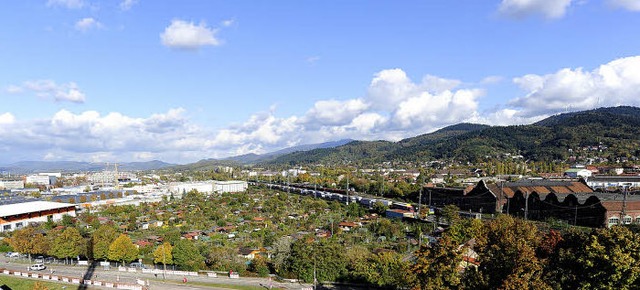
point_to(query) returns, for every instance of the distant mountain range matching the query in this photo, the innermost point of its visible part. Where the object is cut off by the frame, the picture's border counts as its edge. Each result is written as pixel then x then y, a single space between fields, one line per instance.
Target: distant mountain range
pixel 550 139
pixel 74 166
pixel 252 159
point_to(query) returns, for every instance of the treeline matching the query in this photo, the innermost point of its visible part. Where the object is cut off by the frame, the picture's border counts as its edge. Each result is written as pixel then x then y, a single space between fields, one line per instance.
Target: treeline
pixel 516 254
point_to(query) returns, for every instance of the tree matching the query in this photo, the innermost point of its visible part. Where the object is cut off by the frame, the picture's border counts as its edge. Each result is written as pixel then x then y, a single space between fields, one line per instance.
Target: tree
pixel 610 256
pixel 162 254
pixel 102 239
pixel 259 266
pixel 281 252
pixel 507 254
pixel 67 244
pixel 122 249
pixel 27 241
pixel 437 267
pixel 187 256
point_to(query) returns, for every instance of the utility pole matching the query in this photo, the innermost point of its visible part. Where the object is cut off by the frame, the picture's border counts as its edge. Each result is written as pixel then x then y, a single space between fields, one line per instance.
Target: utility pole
pixel 420 198
pixel 624 205
pixel 347 186
pixel 526 205
pixel 501 194
pixel 575 217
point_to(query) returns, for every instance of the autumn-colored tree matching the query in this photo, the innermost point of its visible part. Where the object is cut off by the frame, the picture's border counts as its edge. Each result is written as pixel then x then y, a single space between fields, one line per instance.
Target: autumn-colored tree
pixel 437 267
pixel 507 254
pixel 67 244
pixel 101 239
pixel 28 241
pixel 609 256
pixel 162 254
pixel 122 249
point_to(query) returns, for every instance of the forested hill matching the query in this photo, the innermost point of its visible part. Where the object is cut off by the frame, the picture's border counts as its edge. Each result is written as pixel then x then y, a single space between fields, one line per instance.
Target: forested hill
pixel 617 128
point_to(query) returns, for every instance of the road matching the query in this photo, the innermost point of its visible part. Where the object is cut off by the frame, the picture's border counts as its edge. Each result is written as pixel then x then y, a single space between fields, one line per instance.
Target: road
pixel 171 282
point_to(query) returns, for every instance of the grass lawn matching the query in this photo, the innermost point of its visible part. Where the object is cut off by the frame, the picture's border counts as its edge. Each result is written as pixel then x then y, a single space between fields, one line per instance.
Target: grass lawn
pixel 228 286
pixel 22 283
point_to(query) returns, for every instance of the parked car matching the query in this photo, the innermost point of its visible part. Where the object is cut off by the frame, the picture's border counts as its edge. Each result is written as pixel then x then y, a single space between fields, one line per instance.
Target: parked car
pixel 137 265
pixel 13 255
pixel 39 260
pixel 37 267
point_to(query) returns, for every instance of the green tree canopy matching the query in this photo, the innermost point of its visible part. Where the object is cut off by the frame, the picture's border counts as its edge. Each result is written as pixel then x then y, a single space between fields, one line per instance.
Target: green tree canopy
pixel 102 239
pixel 187 256
pixel 122 249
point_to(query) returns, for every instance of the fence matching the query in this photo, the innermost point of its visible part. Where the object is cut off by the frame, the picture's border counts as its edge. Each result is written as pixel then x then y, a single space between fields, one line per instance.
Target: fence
pixel 72 280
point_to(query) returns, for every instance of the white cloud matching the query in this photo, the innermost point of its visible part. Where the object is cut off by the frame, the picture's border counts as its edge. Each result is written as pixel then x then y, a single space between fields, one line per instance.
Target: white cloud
pixel 49 89
pixel 7 119
pixel 431 111
pixel 390 87
pixel 228 22
pixel 86 24
pixel 524 8
pixel 186 35
pixel 632 5
pixel 127 4
pixel 71 4
pixel 333 112
pixel 612 84
pixel 490 80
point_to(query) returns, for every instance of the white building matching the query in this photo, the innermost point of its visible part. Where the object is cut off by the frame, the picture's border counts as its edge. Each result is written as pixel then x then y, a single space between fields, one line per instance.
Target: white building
pixel 578 172
pixel 11 184
pixel 209 186
pixel 41 179
pixel 230 186
pixel 183 187
pixel 18 215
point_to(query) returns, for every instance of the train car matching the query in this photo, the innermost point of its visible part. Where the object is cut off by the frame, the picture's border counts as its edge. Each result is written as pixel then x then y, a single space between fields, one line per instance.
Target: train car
pixel 402 206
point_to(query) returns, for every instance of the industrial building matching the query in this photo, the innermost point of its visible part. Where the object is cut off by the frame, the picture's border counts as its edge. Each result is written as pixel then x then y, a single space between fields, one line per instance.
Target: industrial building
pixel 18 215
pixel 209 187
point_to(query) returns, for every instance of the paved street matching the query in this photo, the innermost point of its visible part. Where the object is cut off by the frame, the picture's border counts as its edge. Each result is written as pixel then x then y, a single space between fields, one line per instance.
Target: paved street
pixel 171 282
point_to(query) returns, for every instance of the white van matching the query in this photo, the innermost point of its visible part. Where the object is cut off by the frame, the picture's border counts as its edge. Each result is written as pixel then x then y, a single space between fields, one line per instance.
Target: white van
pixel 37 267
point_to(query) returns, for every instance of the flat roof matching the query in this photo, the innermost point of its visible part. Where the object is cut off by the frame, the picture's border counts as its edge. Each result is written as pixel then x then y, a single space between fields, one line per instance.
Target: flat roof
pixel 29 207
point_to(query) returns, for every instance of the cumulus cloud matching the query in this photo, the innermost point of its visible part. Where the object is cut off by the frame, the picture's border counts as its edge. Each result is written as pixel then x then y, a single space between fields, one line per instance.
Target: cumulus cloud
pixel 181 34
pixel 7 119
pixel 632 5
pixel 523 8
pixel 70 4
pixel 612 84
pixel 334 112
pixel 434 110
pixel 86 24
pixel 127 4
pixel 48 89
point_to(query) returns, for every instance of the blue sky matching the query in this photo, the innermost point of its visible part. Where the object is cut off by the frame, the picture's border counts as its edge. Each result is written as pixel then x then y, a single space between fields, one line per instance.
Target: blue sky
pixel 179 81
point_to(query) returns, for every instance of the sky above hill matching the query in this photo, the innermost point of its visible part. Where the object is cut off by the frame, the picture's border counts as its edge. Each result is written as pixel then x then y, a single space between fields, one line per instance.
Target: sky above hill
pixel 179 81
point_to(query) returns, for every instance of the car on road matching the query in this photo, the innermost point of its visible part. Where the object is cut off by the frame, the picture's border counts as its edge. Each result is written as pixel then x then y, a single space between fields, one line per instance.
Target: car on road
pixel 13 254
pixel 138 265
pixel 37 267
